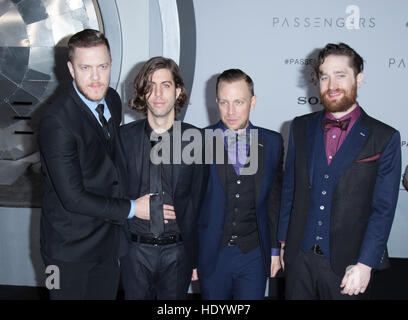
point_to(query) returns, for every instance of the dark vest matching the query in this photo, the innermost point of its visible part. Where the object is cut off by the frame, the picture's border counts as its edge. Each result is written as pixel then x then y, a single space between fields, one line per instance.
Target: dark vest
pixel 324 180
pixel 240 218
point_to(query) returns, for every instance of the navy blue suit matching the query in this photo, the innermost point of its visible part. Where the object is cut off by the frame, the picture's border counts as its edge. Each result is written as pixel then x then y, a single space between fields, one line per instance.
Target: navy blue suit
pixel 267 196
pixel 358 192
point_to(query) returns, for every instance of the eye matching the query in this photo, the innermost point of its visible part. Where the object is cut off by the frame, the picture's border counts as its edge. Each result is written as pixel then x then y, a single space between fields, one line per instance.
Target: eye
pixel 104 66
pixel 323 78
pixel 239 102
pixel 84 68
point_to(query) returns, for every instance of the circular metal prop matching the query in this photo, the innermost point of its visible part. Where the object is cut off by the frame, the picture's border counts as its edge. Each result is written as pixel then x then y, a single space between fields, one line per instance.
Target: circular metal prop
pixel 33 36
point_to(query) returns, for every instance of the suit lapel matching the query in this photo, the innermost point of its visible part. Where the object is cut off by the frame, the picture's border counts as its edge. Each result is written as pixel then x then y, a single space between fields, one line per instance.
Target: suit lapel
pixel 350 148
pixel 90 118
pixel 220 167
pixel 259 175
pixel 314 135
pixel 138 146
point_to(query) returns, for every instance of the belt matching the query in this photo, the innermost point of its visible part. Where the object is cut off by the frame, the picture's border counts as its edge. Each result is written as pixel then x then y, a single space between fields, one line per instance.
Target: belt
pixel 157 241
pixel 232 241
pixel 316 250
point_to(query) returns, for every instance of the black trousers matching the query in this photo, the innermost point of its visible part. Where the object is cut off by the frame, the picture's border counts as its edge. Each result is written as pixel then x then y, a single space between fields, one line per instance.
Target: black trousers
pixel 155 272
pixel 85 280
pixel 310 277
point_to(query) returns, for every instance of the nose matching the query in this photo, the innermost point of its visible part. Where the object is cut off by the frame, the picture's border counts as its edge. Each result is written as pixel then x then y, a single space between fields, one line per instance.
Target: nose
pixel 230 109
pixel 157 91
pixel 95 74
pixel 332 83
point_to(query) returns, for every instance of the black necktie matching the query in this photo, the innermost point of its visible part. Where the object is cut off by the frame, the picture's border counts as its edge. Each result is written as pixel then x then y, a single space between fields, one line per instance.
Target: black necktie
pixel 102 119
pixel 156 197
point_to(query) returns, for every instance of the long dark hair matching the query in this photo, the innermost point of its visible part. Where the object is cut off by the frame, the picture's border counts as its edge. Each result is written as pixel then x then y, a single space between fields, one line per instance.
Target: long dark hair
pixel 142 89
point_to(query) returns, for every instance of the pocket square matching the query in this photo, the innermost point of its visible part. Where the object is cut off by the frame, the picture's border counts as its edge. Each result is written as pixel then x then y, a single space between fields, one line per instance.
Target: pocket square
pixel 370 159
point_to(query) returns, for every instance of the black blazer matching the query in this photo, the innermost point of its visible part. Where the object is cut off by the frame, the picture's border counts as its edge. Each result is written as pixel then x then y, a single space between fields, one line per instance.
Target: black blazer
pixel 188 182
pixel 83 184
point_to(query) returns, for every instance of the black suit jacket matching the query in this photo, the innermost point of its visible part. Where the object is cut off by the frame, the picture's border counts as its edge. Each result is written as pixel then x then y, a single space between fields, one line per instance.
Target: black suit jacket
pixel 83 181
pixel 188 182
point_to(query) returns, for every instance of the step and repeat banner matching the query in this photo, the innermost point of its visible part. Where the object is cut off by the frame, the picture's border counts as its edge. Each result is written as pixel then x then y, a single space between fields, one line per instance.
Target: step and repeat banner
pixel 276 43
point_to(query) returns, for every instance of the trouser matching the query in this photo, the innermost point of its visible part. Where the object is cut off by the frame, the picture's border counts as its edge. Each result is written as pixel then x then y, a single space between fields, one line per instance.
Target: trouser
pixel 310 277
pixel 155 272
pixel 83 280
pixel 237 275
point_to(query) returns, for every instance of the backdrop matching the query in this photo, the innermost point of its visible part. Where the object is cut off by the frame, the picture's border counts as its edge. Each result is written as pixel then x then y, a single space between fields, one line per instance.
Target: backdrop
pixel 275 42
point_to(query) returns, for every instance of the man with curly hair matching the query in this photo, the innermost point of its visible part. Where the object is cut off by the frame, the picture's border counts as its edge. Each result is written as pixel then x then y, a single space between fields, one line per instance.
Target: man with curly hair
pixel 161 253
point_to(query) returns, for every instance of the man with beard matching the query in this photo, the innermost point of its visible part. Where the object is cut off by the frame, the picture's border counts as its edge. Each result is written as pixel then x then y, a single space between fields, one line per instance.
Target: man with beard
pixel 340 188
pixel 83 167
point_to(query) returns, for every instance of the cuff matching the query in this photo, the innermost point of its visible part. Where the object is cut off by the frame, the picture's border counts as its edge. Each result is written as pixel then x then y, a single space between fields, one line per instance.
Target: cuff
pixel 132 209
pixel 275 252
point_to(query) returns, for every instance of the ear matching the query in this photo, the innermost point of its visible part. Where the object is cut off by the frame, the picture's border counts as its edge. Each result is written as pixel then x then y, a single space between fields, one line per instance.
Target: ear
pixel 360 78
pixel 253 102
pixel 71 69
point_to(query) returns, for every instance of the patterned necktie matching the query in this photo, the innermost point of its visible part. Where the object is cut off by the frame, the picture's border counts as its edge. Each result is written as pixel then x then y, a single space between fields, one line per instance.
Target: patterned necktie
pixel 328 124
pixel 99 109
pixel 243 138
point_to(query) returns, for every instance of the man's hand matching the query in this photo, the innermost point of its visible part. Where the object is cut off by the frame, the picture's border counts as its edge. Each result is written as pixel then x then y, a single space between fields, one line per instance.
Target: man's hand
pixel 356 279
pixel 194 277
pixel 168 213
pixel 275 265
pixel 282 252
pixel 142 209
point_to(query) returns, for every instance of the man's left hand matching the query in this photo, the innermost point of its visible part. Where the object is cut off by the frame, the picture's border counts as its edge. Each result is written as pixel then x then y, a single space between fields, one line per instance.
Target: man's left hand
pixel 194 277
pixel 356 279
pixel 275 265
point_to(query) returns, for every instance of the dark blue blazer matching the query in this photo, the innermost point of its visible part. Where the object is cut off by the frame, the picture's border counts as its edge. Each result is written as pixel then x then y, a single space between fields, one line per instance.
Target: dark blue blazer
pixel 364 197
pixel 268 179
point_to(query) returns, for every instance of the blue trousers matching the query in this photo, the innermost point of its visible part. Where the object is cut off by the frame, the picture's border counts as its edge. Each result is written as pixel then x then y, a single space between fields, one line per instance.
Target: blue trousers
pixel 237 275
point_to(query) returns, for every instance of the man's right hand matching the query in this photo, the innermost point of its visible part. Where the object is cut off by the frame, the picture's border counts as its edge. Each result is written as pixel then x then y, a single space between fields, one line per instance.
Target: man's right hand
pixel 282 252
pixel 142 209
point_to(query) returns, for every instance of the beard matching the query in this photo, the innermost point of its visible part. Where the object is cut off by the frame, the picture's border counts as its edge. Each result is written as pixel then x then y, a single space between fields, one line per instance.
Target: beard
pixel 87 95
pixel 346 102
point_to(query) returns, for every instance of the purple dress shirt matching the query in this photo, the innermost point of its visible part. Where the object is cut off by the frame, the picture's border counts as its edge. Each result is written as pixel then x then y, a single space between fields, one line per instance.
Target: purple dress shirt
pixel 334 137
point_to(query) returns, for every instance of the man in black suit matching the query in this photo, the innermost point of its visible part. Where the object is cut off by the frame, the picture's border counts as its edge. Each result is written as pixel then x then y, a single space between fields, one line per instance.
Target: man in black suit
pixel 161 240
pixel 340 188
pixel 83 167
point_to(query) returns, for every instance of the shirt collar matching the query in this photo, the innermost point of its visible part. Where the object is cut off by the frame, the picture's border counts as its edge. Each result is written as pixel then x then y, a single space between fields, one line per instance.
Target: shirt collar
pixel 149 130
pixel 224 128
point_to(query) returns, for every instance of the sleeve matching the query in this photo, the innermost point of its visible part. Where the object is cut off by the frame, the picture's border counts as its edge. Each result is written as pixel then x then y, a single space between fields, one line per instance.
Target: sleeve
pixel 275 199
pixel 288 188
pixel 199 186
pixel 58 148
pixel 383 205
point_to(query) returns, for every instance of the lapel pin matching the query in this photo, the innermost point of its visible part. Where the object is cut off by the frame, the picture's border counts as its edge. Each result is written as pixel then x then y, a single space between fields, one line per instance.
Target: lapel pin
pixel 362 134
